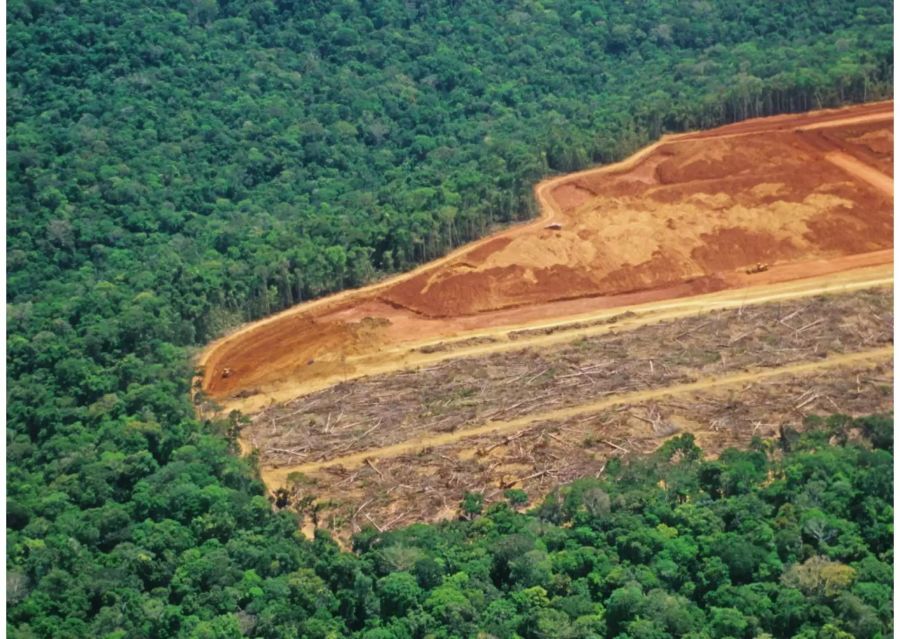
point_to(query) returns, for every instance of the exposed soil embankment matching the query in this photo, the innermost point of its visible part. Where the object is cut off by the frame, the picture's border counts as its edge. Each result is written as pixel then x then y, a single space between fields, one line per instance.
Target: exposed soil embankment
pixel 690 214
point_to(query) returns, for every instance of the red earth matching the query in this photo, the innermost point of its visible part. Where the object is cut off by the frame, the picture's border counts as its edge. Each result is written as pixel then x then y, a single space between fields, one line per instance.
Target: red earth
pixel 801 194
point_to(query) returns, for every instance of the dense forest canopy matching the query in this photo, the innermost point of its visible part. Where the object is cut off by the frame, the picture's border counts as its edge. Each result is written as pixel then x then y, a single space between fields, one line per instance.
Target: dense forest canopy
pixel 175 168
pixel 253 154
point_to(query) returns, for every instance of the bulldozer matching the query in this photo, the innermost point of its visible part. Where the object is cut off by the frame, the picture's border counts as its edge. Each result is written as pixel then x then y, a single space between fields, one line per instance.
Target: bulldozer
pixel 758 268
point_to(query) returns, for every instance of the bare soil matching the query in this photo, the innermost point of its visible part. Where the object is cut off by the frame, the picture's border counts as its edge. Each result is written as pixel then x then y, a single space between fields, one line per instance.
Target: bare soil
pixel 686 216
pixel 706 207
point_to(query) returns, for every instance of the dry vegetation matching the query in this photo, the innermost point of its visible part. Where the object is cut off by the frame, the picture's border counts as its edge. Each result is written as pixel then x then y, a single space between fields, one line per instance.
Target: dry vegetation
pixel 464 393
pixel 429 484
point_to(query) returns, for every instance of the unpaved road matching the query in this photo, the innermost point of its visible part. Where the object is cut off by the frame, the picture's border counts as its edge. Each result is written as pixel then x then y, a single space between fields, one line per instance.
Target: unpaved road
pixel 274 477
pixel 320 343
pixel 876 178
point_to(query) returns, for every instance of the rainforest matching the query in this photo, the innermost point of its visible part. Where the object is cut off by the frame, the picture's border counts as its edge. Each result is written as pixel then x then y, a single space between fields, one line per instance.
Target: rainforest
pixel 178 169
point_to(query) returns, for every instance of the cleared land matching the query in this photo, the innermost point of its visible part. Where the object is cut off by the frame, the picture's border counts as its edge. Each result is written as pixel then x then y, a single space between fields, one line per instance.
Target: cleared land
pixel 427 483
pixel 807 195
pixel 462 393
pixel 534 356
pixel 406 446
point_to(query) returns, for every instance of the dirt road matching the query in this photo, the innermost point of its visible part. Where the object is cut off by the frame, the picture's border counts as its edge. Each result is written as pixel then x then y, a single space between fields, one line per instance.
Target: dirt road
pixel 876 178
pixel 475 342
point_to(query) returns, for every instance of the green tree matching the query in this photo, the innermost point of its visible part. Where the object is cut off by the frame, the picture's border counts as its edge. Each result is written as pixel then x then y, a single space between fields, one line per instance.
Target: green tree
pixel 399 593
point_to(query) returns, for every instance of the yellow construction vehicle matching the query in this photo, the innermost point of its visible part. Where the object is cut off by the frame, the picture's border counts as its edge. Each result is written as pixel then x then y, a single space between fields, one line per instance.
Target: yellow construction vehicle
pixel 758 268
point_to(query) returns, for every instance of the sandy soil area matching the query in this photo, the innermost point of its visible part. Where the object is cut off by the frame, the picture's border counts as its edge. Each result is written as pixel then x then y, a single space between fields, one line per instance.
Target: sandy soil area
pixel 807 195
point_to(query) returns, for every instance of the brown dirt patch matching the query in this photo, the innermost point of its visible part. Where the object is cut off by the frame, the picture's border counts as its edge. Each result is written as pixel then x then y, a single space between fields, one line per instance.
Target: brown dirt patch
pixel 698 208
pixel 872 143
pixel 733 248
pixel 687 215
pixel 484 251
pixel 571 196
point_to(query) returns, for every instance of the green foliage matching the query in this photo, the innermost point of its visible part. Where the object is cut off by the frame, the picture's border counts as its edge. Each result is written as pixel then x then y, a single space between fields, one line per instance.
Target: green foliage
pixel 650 562
pixel 177 168
pixel 472 504
pixel 516 496
pixel 399 593
pixel 705 560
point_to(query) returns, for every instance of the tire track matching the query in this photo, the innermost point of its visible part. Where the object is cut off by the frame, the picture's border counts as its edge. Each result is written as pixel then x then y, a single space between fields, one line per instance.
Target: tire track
pixel 864 172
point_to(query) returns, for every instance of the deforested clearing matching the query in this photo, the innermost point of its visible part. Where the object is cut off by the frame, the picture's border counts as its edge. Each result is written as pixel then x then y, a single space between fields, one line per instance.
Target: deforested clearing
pixel 763 201
pixel 721 283
pixel 427 482
pixel 462 393
pixel 391 449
